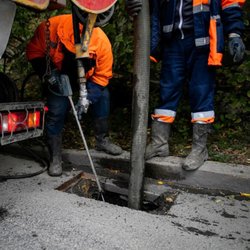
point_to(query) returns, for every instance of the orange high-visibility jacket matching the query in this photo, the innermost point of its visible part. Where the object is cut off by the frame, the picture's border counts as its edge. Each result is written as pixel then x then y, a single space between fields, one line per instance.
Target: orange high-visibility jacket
pixel 61 32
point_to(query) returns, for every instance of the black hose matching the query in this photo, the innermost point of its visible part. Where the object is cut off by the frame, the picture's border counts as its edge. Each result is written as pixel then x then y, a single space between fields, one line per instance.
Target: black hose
pixel 44 166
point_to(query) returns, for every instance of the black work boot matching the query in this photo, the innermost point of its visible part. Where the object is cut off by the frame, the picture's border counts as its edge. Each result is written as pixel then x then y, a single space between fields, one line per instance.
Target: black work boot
pixel 103 142
pixel 55 150
pixel 159 140
pixel 199 153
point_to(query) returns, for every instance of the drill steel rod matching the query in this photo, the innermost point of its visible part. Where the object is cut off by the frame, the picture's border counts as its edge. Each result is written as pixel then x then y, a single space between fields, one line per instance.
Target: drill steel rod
pixel 87 149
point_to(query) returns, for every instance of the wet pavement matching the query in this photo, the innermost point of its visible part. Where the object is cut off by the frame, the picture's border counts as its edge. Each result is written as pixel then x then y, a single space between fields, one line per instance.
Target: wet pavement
pixel 34 215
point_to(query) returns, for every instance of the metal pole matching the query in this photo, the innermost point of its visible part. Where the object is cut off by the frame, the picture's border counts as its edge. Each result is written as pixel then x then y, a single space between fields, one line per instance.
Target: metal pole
pixel 87 149
pixel 139 105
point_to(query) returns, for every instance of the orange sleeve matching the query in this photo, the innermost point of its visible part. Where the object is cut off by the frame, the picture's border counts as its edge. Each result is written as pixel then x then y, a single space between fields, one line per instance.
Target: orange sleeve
pixel 36 46
pixel 228 3
pixel 100 48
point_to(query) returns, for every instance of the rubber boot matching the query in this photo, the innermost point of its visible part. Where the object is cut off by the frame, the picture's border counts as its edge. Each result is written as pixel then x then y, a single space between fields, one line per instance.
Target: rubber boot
pixel 55 149
pixel 159 140
pixel 103 142
pixel 199 153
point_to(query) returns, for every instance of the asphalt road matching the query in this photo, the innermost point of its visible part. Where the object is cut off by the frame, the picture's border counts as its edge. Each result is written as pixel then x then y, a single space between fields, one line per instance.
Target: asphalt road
pixel 34 215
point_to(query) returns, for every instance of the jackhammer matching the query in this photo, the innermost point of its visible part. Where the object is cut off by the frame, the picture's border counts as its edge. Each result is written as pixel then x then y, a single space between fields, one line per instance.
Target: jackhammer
pixel 90 15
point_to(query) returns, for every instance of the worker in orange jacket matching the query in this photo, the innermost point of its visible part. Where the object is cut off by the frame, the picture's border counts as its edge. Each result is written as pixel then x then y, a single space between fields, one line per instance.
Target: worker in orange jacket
pixel 62 61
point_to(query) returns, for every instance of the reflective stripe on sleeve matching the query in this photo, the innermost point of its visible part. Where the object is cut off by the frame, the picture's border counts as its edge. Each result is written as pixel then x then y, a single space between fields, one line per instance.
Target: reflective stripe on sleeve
pixel 201 8
pixel 201 41
pixel 168 28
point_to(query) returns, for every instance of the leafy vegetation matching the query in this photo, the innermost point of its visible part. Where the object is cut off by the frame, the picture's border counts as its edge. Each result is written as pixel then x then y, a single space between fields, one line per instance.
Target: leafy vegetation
pixel 229 141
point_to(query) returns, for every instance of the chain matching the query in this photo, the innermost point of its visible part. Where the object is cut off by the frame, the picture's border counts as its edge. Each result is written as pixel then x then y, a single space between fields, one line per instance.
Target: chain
pixel 47 42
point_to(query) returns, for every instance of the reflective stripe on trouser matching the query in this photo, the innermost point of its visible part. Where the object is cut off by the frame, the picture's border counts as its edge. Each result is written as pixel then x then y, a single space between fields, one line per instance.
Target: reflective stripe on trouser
pixel 163 115
pixel 58 106
pixel 168 116
pixel 182 62
pixel 203 117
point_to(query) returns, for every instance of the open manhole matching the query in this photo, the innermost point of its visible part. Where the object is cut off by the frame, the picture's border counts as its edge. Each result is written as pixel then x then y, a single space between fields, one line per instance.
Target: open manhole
pixel 116 193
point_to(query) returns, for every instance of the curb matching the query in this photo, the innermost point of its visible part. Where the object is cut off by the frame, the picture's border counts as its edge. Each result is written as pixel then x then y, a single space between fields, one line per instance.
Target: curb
pixel 212 177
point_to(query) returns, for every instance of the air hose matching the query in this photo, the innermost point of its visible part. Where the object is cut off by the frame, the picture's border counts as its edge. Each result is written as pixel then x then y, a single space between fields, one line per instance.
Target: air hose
pixel 43 163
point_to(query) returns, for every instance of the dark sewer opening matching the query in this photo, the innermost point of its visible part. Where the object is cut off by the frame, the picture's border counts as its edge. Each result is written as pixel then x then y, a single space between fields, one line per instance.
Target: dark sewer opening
pixel 85 187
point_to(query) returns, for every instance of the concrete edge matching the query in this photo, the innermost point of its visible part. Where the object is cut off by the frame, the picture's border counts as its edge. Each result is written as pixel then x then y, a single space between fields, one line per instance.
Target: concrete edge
pixel 171 164
pixel 212 176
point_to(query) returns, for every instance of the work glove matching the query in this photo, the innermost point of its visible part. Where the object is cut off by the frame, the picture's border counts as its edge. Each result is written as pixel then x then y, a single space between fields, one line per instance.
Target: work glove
pixel 236 48
pixel 133 7
pixel 89 95
pixel 83 103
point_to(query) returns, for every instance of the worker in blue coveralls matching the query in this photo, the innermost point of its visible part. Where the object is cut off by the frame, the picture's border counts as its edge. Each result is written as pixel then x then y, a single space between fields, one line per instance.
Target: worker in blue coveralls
pixel 188 37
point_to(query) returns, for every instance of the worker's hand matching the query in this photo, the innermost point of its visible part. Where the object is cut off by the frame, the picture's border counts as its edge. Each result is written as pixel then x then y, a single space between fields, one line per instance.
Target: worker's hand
pixel 82 106
pixel 133 7
pixel 94 92
pixel 236 48
pixel 83 103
